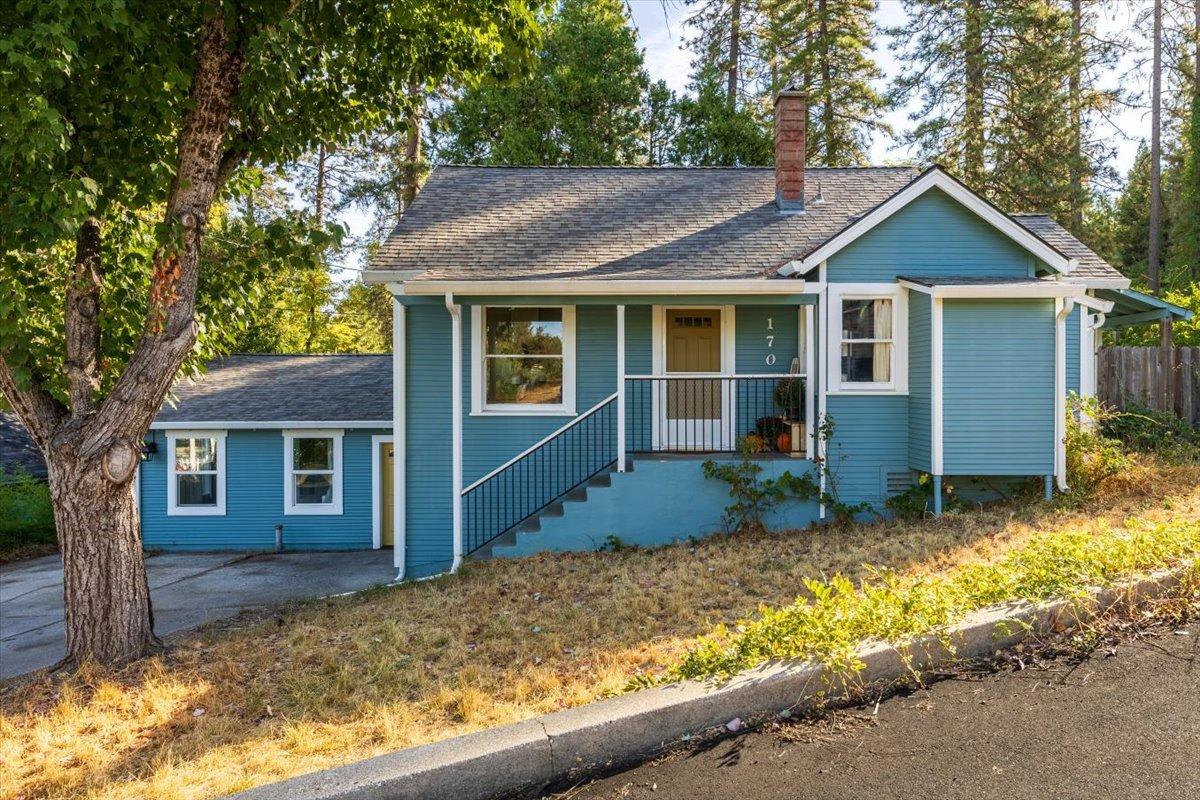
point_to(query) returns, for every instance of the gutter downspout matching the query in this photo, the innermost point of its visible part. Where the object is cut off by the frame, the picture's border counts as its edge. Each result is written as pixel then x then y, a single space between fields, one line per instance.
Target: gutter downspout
pixel 456 425
pixel 1062 310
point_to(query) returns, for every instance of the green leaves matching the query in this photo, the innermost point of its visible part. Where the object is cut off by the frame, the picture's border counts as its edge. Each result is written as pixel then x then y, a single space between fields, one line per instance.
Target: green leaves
pixel 92 98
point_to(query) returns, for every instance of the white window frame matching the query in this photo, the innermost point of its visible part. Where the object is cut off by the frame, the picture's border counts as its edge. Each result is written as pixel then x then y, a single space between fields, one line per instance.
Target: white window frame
pixel 833 362
pixel 290 506
pixel 479 404
pixel 173 507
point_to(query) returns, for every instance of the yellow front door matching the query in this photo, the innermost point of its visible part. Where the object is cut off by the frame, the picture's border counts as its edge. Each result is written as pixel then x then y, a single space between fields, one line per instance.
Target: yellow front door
pixel 387 516
pixel 693 346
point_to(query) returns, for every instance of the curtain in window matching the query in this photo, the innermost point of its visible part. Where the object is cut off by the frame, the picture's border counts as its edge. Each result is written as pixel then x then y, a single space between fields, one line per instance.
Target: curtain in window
pixel 882 361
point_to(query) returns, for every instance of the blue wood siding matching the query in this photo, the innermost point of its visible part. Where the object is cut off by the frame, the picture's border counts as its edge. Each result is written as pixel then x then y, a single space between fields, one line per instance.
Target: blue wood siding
pixel 870 440
pixel 919 381
pixel 932 235
pixel 999 387
pixel 254 500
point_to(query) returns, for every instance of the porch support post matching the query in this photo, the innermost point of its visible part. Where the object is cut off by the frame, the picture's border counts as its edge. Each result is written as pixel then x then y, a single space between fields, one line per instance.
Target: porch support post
pixel 399 432
pixel 1048 487
pixel 937 495
pixel 456 425
pixel 810 383
pixel 937 388
pixel 620 388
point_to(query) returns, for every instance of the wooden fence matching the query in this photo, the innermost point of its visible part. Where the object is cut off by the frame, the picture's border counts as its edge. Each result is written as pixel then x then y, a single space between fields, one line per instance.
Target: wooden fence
pixel 1162 378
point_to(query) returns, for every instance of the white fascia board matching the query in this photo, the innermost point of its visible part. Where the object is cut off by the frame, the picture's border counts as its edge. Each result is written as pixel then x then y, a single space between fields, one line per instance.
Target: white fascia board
pixel 935 178
pixel 1105 283
pixel 1048 289
pixel 218 425
pixel 608 287
pixel 1095 303
pixel 389 275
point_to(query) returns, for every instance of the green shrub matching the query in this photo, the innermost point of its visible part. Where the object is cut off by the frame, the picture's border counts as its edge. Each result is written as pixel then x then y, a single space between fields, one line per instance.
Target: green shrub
pixel 26 515
pixel 1092 454
pixel 1161 433
pixel 836 617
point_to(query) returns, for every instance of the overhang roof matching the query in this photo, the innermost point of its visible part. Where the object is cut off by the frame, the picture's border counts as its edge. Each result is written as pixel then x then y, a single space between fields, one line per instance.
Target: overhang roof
pixel 272 391
pixel 1131 307
pixel 974 286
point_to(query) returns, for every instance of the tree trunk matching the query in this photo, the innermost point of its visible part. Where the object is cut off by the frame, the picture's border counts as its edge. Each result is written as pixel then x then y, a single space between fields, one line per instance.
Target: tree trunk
pixel 412 149
pixel 973 137
pixel 1075 88
pixel 1154 260
pixel 831 155
pixel 319 192
pixel 104 572
pixel 735 56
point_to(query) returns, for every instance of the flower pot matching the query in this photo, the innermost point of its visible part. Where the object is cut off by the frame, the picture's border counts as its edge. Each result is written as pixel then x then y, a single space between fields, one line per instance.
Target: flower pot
pixel 783 442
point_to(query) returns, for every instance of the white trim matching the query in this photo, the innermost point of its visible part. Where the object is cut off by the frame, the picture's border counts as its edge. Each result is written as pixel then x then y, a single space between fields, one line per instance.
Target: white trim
pixel 823 393
pixel 537 444
pixel 290 506
pixel 620 388
pixel 479 404
pixel 1044 289
pixel 1095 303
pixel 173 508
pixel 810 382
pixel 237 425
pixel 399 437
pixel 934 178
pixel 833 345
pixel 456 428
pixel 1087 355
pixel 377 491
pixel 1106 283
pixel 937 387
pixel 1062 309
pixel 576 286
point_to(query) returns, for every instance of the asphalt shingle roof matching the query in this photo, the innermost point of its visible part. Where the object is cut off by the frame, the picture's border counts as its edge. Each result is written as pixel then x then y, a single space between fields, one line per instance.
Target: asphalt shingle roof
pixel 487 223
pixel 286 388
pixel 1090 264
pixel 496 223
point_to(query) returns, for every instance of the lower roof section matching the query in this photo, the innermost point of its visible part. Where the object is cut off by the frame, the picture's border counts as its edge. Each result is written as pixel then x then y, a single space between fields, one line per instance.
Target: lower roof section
pixel 969 286
pixel 1131 307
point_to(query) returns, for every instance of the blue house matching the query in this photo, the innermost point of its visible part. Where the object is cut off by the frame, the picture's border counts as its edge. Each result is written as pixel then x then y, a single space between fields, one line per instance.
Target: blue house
pixel 570 344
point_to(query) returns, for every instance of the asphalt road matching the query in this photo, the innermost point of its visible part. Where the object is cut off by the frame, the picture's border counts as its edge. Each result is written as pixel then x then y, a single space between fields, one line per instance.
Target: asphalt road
pixel 1114 726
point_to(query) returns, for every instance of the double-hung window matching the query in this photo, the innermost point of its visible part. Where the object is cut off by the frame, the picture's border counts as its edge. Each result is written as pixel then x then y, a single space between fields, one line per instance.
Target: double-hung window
pixel 524 359
pixel 867 339
pixel 196 473
pixel 312 472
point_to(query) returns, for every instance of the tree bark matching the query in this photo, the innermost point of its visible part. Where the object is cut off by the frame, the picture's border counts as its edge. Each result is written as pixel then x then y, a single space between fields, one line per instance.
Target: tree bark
pixel 109 617
pixel 973 138
pixel 1154 246
pixel 1075 89
pixel 827 118
pixel 319 192
pixel 88 447
pixel 735 56
pixel 412 149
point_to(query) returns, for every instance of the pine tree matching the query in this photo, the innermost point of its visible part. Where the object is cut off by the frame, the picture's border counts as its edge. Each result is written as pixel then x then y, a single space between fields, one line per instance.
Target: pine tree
pixel 580 104
pixel 660 124
pixel 712 136
pixel 824 47
pixel 1184 260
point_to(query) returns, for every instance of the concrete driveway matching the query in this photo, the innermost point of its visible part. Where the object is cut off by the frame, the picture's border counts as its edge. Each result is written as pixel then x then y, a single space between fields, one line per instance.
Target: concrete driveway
pixel 186 589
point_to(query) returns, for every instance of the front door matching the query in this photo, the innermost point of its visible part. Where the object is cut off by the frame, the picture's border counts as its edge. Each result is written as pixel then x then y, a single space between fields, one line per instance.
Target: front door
pixel 694 409
pixel 387 511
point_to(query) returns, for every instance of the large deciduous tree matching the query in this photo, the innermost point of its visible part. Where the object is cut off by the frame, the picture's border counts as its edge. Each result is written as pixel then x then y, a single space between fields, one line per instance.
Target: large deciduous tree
pixel 115 112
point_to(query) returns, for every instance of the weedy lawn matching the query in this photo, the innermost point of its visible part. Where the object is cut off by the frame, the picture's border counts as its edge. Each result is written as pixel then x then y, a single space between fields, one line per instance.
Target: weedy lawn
pixel 319 684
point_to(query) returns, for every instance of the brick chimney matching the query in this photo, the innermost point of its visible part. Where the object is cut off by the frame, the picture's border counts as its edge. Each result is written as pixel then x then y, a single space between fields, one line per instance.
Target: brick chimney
pixel 790 116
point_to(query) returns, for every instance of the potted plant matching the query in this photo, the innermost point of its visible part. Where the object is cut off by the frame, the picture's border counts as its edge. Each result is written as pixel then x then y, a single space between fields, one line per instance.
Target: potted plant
pixel 789 396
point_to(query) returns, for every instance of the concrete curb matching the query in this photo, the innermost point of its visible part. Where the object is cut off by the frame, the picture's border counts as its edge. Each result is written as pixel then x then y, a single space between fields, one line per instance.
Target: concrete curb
pixel 526 756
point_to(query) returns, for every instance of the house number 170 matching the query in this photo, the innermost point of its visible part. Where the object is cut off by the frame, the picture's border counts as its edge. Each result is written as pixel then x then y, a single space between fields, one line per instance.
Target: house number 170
pixel 770 341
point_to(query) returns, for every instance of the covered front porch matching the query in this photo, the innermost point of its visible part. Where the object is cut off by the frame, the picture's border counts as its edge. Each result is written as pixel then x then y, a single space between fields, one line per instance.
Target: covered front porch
pixel 549 392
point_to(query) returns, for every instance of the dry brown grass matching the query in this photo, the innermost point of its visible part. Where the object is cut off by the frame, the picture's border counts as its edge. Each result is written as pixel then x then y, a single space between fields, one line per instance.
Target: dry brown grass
pixel 265 697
